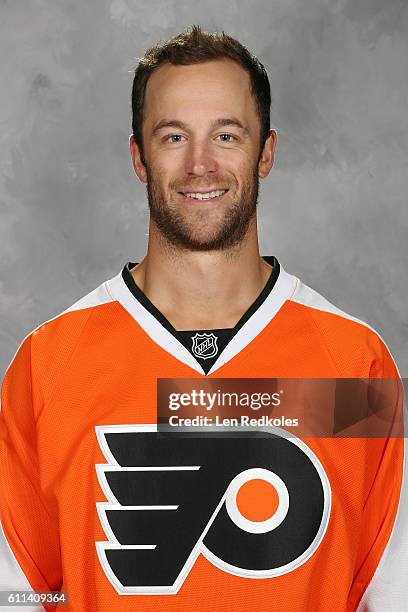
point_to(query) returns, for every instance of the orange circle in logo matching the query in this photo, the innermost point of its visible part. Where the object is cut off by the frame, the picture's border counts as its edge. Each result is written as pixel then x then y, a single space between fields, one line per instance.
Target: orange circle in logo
pixel 257 500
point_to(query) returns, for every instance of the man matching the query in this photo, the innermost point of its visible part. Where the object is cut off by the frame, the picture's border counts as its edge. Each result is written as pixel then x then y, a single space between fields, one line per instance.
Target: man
pixel 95 501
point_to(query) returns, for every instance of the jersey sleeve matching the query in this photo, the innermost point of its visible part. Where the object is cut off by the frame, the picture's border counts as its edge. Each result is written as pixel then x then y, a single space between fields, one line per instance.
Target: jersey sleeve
pixel 29 540
pixel 382 570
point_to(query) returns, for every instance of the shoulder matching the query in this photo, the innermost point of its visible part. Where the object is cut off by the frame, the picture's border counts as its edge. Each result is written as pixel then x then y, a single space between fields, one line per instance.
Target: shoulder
pixel 46 349
pixel 353 344
pixel 69 323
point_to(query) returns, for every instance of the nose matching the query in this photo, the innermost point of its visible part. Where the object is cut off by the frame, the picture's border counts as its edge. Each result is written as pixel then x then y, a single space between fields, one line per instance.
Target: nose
pixel 200 159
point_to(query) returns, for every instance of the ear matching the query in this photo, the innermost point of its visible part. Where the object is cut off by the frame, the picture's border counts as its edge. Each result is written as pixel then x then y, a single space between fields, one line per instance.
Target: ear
pixel 138 165
pixel 268 155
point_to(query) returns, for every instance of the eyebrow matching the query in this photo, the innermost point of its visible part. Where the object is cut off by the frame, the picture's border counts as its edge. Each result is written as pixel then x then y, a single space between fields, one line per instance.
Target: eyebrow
pixel 222 122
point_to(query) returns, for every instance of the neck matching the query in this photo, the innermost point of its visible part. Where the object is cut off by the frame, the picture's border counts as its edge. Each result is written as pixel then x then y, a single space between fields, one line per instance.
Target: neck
pixel 202 290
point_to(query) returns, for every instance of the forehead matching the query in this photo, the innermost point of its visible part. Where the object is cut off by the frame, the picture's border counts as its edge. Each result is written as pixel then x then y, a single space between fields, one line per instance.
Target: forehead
pixel 197 91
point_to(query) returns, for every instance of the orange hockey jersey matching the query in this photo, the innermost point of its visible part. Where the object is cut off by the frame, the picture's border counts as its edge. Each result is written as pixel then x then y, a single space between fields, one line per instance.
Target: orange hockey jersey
pixel 97 503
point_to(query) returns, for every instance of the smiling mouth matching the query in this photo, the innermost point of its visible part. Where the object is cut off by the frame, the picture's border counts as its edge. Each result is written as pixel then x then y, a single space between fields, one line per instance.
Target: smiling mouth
pixel 204 197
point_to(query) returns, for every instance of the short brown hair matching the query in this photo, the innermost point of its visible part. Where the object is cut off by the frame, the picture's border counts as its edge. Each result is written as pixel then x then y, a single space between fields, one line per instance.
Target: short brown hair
pixel 194 46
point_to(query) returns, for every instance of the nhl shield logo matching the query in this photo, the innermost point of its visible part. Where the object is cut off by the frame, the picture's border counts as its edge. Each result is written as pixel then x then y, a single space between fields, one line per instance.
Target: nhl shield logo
pixel 204 345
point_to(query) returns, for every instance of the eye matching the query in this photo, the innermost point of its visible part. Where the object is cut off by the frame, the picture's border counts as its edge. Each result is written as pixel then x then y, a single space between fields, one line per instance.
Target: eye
pixel 170 138
pixel 227 137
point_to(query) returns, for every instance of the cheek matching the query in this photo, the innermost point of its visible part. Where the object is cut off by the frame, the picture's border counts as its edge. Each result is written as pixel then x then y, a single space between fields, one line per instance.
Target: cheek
pixel 240 163
pixel 166 168
pixel 244 174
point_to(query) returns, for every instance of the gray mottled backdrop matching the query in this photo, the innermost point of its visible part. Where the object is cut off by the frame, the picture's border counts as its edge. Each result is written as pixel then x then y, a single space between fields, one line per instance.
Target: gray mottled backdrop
pixel 333 210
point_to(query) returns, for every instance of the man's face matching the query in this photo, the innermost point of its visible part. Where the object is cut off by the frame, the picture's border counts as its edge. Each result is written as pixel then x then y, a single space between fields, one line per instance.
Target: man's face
pixel 201 134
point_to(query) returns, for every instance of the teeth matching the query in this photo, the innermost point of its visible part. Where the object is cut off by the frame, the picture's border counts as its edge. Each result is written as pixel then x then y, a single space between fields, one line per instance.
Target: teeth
pixel 205 196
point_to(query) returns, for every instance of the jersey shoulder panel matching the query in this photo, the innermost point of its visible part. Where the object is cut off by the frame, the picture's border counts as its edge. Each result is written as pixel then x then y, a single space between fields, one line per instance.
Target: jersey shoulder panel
pixel 352 343
pixel 53 341
pixel 307 296
pixel 100 295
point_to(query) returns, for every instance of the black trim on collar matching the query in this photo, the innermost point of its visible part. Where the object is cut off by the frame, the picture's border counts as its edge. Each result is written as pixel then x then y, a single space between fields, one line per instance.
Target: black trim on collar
pixel 182 337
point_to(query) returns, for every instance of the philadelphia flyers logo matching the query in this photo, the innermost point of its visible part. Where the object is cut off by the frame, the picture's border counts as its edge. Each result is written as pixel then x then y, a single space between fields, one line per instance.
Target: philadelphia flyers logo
pixel 173 496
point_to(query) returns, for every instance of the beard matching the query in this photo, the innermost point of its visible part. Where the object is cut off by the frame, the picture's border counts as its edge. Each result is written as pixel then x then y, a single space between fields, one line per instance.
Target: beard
pixel 199 229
